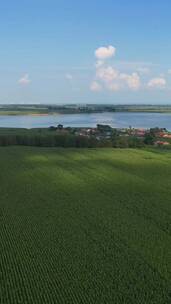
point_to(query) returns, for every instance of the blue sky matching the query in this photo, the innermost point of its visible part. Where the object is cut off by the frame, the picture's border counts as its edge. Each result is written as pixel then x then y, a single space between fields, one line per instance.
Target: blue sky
pixel 85 51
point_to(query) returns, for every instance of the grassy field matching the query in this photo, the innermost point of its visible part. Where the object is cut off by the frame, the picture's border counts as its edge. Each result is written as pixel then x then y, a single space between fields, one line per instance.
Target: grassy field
pixel 85 226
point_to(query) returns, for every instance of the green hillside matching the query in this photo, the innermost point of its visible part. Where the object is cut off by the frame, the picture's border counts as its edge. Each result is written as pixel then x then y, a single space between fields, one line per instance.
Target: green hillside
pixel 81 226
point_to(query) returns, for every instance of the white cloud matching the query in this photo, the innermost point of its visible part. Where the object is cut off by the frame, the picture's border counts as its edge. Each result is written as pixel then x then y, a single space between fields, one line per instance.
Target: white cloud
pixel 157 83
pixel 25 80
pixel 107 74
pixel 113 80
pixel 68 76
pixel 123 75
pixel 108 77
pixel 95 86
pixel 103 52
pixel 132 80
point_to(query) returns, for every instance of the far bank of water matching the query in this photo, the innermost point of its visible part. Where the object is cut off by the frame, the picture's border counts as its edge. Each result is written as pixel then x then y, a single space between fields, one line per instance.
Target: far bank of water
pixel 118 120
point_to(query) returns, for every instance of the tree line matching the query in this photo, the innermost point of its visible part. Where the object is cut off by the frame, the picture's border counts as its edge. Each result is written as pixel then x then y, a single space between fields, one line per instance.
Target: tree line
pixel 68 140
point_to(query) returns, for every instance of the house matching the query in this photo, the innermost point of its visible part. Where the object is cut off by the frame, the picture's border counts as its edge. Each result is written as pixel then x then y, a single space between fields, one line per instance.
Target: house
pixel 140 132
pixel 161 143
pixel 167 136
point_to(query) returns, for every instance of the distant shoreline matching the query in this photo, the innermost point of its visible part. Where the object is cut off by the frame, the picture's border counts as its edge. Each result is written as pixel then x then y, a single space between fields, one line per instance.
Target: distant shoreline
pixel 25 113
pixel 47 110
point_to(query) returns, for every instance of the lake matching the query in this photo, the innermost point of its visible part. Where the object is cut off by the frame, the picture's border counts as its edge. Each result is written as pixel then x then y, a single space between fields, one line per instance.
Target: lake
pixel 118 120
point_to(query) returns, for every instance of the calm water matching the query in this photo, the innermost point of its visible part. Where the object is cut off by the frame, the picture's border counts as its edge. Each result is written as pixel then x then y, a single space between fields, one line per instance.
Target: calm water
pixel 119 120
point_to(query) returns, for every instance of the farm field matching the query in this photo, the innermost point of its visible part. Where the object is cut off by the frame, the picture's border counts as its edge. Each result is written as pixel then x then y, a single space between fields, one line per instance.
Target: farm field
pixel 85 226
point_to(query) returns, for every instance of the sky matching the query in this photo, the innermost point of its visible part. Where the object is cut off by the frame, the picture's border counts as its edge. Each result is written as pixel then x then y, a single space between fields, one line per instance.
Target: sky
pixel 94 51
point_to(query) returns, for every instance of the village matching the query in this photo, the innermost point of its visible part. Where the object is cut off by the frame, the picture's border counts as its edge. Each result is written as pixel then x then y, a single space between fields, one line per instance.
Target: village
pixel 154 136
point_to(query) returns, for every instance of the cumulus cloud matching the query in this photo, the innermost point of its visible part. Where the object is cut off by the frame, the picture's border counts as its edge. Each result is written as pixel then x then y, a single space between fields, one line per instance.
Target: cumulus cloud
pixel 95 86
pixel 158 83
pixel 109 78
pixel 107 74
pixel 103 52
pixel 25 80
pixel 113 80
pixel 132 80
pixel 123 76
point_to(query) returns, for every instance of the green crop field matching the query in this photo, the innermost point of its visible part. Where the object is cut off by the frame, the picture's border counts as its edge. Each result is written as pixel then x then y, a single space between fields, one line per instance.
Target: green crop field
pixel 80 226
